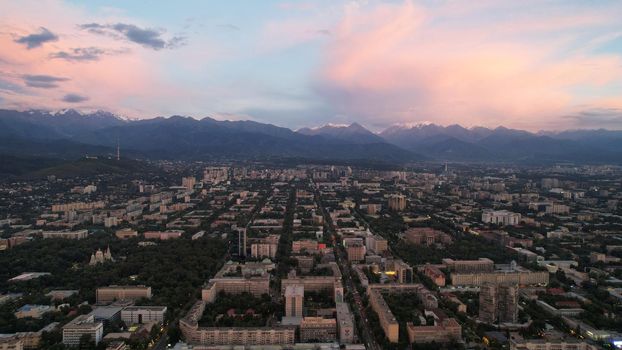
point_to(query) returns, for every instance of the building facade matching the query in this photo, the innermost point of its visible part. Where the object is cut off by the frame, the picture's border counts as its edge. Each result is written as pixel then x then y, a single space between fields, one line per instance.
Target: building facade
pixel 120 293
pixel 143 314
pixel 318 329
pixel 80 326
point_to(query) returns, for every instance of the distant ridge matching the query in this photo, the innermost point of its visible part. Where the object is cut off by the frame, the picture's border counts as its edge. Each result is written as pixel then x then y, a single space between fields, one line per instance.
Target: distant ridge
pixel 71 133
pixel 353 132
pixel 179 137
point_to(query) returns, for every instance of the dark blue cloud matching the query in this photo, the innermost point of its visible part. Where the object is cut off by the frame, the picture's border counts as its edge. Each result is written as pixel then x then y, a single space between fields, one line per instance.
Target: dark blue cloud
pixel 37 39
pixel 74 98
pixel 8 86
pixel 42 81
pixel 85 53
pixel 147 37
pixel 610 118
pixel 229 26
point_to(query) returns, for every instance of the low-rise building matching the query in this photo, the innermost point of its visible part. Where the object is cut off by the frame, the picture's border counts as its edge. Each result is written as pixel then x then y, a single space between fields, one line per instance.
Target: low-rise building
pixel 163 235
pixel 214 336
pixel 80 326
pixel 34 311
pixel 445 331
pixel 356 252
pixel 122 293
pixel 345 323
pixel 435 274
pixel 143 314
pixel 500 217
pixel 318 329
pixel 126 233
pixel 80 234
pixel 544 344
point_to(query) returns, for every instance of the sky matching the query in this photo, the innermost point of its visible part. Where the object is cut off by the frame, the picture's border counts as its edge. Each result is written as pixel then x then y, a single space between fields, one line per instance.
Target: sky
pixel 533 65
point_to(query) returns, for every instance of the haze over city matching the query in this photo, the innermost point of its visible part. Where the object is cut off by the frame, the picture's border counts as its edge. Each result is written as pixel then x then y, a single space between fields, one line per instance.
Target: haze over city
pixel 532 65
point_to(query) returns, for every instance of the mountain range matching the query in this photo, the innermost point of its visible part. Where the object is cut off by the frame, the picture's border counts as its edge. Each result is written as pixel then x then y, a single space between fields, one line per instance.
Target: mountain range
pixel 69 134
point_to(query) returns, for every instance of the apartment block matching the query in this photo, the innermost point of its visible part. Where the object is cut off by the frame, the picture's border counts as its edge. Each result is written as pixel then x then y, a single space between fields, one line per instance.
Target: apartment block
pixel 445 331
pixel 469 266
pixel 318 329
pixel 125 293
pixel 294 297
pixel 143 314
pixel 80 326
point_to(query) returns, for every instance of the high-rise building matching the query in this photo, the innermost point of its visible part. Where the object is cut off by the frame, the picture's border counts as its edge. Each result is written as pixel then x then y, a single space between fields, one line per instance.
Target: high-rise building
pixel 242 241
pixel 488 303
pixel 294 296
pixel 508 303
pixel 498 303
pixel 397 202
pixel 188 182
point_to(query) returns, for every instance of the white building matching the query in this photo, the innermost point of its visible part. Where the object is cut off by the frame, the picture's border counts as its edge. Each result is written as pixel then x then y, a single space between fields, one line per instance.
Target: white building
pixel 82 325
pixel 111 221
pixel 143 314
pixel 500 217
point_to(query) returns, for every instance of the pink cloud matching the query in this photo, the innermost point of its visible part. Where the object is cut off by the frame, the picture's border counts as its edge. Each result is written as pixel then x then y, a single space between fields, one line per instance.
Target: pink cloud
pixel 115 77
pixel 396 63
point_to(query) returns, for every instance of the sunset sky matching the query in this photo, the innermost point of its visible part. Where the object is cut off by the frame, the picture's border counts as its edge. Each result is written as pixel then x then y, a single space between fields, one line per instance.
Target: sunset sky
pixel 525 64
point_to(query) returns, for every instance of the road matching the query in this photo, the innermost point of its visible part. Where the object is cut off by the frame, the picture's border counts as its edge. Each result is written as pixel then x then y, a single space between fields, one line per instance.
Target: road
pixel 162 344
pixel 346 271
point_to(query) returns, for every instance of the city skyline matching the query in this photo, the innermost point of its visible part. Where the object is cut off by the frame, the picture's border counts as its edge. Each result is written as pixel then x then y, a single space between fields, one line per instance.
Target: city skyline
pixel 533 65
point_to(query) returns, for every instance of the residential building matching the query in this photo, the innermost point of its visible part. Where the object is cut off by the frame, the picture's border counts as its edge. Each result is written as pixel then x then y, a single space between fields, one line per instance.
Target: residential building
pixel 118 293
pixel 356 252
pixel 388 322
pixel 397 202
pixel 188 182
pixel 500 217
pixel 345 323
pixel 545 344
pixel 376 243
pixel 445 331
pixel 469 266
pixel 318 329
pixel 498 303
pixel 509 276
pixel 294 297
pixel 11 343
pixel 143 314
pixel 426 236
pixel 126 233
pixel 80 234
pixel 214 336
pixel 163 235
pixel 435 274
pixel 306 245
pixel 80 326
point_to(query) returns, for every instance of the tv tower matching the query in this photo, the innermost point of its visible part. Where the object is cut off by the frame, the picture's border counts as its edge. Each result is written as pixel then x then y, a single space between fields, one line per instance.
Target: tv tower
pixel 118 150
